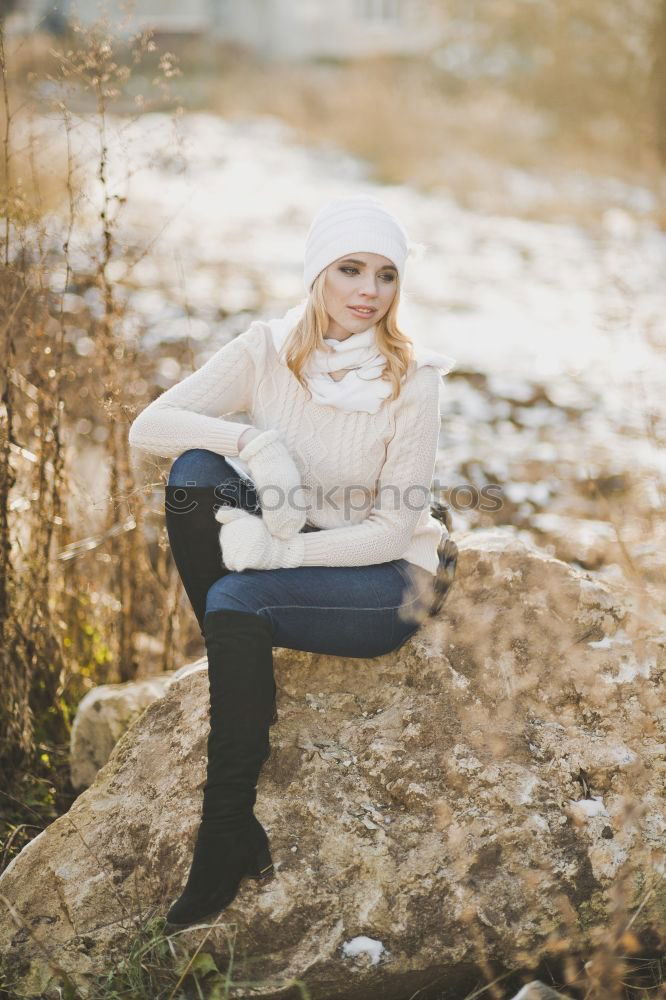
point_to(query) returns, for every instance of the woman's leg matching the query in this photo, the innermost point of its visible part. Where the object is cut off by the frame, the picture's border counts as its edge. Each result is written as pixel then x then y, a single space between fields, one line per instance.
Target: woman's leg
pixel 231 842
pixel 361 611
pixel 356 611
pixel 199 482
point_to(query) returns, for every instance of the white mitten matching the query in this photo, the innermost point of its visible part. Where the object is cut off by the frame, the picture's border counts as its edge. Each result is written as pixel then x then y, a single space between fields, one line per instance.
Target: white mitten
pixel 247 543
pixel 271 465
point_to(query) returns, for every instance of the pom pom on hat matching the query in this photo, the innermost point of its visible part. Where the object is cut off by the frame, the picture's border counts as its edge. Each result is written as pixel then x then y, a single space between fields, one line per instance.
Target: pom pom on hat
pixel 356 223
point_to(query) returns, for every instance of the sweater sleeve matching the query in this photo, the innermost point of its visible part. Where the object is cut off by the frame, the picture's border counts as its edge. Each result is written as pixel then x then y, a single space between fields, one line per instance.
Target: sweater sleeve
pixel 403 489
pixel 189 414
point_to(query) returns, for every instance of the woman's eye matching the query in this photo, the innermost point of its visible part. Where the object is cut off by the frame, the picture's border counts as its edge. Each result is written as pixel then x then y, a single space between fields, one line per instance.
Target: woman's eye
pixel 354 270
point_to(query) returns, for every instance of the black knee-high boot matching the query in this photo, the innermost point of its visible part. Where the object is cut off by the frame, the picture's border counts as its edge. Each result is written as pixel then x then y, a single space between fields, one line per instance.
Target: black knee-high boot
pixel 231 842
pixel 194 539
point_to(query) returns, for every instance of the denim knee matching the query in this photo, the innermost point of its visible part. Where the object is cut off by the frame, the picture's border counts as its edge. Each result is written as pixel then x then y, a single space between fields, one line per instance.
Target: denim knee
pixel 231 593
pixel 199 467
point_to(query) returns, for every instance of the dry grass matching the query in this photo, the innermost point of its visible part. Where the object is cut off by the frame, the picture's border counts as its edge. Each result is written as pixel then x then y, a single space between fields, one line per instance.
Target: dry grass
pixel 80 587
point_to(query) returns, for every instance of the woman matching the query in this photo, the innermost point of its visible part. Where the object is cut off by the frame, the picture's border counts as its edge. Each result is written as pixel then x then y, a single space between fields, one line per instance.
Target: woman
pixel 327 541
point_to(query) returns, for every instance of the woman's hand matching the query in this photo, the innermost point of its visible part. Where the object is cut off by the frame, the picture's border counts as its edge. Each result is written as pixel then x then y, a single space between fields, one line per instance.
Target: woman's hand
pixel 278 483
pixel 247 543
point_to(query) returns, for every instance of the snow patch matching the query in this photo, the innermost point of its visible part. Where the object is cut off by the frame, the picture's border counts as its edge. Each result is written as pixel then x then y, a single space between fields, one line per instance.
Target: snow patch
pixel 363 945
pixel 629 667
pixel 589 808
pixel 619 639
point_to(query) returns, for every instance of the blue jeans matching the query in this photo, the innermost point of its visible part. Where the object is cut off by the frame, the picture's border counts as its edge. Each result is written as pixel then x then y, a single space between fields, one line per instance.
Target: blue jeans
pixel 360 611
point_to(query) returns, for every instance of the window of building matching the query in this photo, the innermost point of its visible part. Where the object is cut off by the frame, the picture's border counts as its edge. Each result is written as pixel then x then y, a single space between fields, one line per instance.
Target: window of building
pixel 380 10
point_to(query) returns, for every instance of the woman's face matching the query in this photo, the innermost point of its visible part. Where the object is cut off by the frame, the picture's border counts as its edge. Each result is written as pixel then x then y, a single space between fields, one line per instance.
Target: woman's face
pixel 364 279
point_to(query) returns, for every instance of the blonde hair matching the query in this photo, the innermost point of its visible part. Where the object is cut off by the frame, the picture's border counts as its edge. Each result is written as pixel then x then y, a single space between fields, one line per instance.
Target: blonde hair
pixel 308 336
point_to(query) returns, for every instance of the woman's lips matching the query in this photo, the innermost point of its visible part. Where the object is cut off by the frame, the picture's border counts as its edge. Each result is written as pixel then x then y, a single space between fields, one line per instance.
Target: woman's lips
pixel 362 312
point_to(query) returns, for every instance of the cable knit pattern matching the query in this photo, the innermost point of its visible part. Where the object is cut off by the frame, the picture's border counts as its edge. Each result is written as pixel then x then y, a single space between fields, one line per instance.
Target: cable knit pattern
pixel 367 476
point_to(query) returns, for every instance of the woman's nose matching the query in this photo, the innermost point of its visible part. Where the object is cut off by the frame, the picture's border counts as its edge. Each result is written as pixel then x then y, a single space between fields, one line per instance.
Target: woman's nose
pixel 369 285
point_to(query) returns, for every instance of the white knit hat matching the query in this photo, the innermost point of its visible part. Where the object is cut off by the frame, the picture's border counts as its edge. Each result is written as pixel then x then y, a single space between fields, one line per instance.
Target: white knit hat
pixel 356 223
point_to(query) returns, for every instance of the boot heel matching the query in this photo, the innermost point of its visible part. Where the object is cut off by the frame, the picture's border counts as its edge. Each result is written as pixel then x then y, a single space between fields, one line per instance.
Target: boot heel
pixel 261 868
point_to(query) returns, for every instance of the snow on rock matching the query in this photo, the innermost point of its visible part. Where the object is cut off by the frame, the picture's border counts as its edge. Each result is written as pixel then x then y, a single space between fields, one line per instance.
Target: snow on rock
pixel 363 945
pixel 586 808
pixel 626 660
pixel 619 639
pixel 537 990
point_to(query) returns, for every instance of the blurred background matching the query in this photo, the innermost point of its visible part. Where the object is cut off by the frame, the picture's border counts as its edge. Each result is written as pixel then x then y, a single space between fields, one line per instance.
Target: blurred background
pixel 520 105
pixel 160 167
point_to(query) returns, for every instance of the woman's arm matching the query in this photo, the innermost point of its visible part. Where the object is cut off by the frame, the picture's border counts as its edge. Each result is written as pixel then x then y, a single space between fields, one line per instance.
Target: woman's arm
pixel 188 415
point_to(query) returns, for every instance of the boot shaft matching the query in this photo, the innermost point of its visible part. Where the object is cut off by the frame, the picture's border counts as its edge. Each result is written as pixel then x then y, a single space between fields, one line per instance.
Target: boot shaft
pixel 241 691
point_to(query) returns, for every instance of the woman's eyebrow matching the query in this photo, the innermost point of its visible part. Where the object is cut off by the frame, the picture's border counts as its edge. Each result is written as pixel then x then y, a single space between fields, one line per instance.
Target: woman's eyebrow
pixel 361 263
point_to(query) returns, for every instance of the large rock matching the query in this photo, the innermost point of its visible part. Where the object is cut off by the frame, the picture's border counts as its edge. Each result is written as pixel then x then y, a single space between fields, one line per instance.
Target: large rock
pixel 102 717
pixel 455 806
pixel 106 712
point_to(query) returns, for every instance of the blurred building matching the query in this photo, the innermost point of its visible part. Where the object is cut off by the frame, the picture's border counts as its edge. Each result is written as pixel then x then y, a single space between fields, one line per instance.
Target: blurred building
pixel 274 29
pixel 305 29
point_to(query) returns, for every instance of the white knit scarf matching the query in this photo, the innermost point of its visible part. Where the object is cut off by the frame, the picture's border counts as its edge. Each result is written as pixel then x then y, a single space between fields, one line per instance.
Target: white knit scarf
pixel 361 388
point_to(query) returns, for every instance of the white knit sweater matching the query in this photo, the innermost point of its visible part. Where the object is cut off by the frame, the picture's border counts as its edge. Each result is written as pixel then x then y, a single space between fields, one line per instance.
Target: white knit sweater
pixel 367 475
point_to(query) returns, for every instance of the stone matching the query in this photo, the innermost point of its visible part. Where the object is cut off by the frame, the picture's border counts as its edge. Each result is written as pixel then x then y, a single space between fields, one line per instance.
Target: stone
pixel 105 713
pixel 449 806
